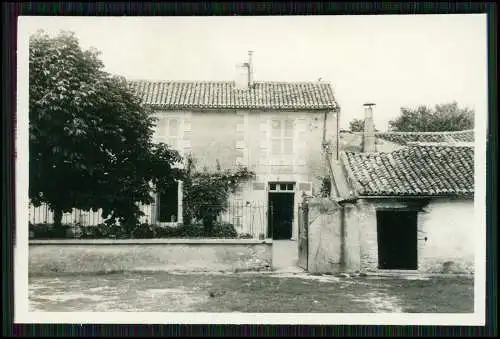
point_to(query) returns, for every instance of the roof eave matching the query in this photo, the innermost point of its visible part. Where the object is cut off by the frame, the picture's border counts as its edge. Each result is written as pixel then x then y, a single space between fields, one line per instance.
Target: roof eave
pixel 417 196
pixel 263 109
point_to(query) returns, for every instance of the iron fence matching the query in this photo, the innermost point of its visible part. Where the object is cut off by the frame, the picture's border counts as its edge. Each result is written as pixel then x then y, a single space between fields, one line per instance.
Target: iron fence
pixel 248 218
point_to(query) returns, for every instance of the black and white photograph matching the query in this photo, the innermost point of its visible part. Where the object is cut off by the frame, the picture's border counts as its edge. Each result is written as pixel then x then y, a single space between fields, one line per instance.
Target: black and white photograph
pixel 258 169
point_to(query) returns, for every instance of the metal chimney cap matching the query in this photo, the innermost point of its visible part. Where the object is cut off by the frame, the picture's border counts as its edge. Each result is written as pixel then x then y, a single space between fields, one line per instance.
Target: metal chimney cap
pixel 369 104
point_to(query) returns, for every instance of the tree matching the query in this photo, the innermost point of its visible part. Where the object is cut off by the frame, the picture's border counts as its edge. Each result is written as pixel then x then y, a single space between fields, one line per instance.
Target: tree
pixel 444 117
pixel 90 138
pixel 357 125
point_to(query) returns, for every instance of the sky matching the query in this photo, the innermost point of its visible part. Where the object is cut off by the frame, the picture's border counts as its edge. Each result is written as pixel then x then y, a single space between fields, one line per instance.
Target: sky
pixel 392 60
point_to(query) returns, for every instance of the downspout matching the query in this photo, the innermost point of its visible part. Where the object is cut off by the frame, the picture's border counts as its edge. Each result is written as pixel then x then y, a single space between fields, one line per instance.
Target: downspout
pixel 325 117
pixel 337 113
pixel 333 187
pixel 342 237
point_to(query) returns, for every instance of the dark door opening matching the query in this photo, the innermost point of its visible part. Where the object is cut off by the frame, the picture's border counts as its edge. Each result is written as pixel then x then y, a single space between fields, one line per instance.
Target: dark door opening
pixel 397 240
pixel 280 216
pixel 168 201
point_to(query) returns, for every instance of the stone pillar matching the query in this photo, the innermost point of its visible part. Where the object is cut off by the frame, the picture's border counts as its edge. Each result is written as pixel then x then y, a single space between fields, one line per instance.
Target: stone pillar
pixel 351 239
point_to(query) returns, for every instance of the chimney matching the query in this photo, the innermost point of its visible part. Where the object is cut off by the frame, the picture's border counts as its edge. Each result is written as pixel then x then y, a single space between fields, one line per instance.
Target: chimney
pixel 250 69
pixel 369 129
pixel 245 73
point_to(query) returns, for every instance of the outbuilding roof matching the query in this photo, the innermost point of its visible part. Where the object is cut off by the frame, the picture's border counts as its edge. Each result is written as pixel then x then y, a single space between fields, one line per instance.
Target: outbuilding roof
pixel 428 170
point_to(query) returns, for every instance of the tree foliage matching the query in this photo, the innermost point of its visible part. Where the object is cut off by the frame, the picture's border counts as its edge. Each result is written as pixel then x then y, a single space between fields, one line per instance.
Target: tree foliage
pixel 90 138
pixel 356 125
pixel 444 117
pixel 206 193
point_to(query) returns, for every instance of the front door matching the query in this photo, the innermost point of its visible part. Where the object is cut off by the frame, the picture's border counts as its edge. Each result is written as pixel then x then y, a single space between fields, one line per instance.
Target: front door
pixel 280 215
pixel 397 240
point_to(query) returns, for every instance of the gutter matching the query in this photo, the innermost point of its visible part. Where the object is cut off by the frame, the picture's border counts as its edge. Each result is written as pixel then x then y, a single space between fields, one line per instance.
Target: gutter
pixel 337 113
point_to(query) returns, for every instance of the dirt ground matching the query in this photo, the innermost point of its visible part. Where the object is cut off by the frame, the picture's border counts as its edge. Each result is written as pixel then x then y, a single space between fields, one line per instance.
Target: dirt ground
pixel 249 293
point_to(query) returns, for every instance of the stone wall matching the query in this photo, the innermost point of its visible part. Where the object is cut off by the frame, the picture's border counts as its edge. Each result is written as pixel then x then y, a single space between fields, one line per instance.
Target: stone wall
pixel 450 228
pixel 97 256
pixel 345 239
pixel 445 234
pixel 325 240
pixel 245 137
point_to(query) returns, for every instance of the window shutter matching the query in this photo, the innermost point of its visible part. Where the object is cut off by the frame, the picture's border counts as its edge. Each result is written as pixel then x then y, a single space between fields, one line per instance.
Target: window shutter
pixel 160 134
pixel 301 142
pixel 186 134
pixel 263 130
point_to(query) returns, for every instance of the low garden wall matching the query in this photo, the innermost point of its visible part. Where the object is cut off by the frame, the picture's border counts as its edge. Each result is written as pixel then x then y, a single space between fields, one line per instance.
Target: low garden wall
pixel 182 255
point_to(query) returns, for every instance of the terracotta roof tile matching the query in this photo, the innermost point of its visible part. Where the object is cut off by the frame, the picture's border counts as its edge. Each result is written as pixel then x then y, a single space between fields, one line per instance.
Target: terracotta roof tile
pixel 414 170
pixel 225 95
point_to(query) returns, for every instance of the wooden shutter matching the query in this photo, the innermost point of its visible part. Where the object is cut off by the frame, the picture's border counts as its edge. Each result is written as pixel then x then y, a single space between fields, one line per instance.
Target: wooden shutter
pixel 161 131
pixel 301 142
pixel 186 135
pixel 288 136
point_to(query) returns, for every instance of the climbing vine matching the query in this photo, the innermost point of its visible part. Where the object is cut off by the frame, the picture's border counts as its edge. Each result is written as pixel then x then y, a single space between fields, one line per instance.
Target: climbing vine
pixel 206 192
pixel 326 186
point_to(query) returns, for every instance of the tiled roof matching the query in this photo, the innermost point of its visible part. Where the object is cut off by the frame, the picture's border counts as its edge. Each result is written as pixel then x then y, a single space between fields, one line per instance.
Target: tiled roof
pixel 435 170
pixel 406 137
pixel 225 95
pixel 352 141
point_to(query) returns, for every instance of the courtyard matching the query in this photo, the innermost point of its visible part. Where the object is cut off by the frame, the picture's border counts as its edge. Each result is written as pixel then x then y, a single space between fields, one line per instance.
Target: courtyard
pixel 249 293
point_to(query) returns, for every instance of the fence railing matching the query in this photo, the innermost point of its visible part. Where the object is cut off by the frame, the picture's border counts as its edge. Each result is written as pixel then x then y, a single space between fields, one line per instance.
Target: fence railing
pixel 248 219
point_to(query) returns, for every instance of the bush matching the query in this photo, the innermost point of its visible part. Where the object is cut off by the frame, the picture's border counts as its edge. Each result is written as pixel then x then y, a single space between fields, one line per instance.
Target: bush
pixel 198 231
pixel 142 231
pixel 47 231
pixel 103 231
pixel 224 230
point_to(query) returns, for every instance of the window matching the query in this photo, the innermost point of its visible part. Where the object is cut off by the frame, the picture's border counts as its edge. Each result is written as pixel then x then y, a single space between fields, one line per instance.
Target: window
pixel 168 204
pixel 281 187
pixel 282 136
pixel 173 133
pixel 168 131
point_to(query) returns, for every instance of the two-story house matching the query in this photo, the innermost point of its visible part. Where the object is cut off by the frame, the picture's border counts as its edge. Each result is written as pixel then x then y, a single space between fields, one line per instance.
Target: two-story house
pixel 275 129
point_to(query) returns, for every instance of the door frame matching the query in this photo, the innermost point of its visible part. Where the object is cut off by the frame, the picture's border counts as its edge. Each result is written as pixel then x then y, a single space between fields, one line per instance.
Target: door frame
pixel 180 199
pixel 397 210
pixel 278 190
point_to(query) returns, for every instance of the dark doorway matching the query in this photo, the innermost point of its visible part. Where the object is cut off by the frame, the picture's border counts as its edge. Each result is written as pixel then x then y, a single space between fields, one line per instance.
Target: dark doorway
pixel 168 201
pixel 280 215
pixel 397 240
